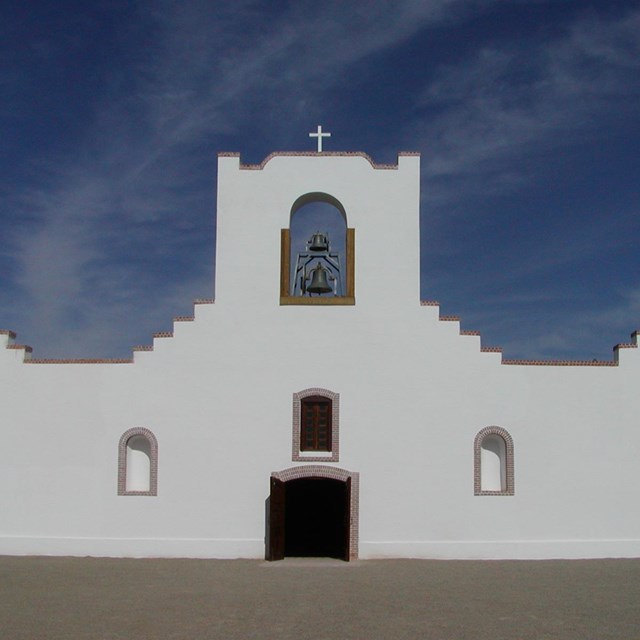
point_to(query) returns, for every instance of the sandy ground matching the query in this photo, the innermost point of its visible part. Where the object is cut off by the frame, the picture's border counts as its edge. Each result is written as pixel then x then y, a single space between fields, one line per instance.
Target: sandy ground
pixel 69 598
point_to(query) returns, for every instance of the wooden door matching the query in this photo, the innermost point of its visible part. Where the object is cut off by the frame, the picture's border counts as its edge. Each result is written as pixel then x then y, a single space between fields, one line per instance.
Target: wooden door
pixel 347 519
pixel 276 520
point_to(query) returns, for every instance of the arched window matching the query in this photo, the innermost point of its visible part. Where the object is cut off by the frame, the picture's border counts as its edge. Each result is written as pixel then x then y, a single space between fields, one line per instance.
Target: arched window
pixel 493 462
pixel 315 434
pixel 138 463
pixel 317 254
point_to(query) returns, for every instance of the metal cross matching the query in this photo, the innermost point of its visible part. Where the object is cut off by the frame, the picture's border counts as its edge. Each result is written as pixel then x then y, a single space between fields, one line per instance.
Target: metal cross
pixel 319 135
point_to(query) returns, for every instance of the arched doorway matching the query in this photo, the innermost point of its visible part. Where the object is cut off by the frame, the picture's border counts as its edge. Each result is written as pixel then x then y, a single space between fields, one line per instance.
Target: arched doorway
pixel 315 521
pixel 313 513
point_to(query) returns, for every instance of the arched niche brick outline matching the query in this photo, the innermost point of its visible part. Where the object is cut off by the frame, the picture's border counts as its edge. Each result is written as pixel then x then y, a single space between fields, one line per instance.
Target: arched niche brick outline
pixel 493 473
pixel 138 463
pixel 298 452
pixel 285 258
pixel 351 478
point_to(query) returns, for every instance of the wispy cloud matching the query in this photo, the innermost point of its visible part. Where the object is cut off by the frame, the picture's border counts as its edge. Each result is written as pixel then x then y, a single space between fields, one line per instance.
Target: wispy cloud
pixel 584 334
pixel 521 99
pixel 111 222
pixel 111 237
pixel 510 121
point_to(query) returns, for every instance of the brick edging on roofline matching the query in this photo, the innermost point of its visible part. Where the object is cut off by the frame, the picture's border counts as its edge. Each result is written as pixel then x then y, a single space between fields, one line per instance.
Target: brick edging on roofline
pixel 162 334
pixel 537 362
pixel 315 154
pixel 11 336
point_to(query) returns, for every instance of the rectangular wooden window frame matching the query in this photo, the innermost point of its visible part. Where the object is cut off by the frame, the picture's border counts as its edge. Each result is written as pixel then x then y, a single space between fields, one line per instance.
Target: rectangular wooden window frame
pixel 315 456
pixel 285 275
pixel 315 402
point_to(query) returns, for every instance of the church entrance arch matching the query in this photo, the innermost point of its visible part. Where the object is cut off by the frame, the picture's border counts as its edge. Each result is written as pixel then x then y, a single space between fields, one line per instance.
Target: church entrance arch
pixel 313 512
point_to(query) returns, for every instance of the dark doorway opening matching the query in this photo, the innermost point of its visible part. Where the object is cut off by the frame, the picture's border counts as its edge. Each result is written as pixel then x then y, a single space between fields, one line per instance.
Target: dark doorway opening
pixel 309 517
pixel 315 518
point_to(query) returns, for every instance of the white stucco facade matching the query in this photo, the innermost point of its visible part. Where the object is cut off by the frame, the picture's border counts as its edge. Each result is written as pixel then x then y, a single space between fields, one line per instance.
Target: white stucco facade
pixel 414 393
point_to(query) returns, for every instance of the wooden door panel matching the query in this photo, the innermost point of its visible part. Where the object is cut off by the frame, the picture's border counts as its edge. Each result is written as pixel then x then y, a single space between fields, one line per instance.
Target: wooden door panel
pixel 347 520
pixel 276 519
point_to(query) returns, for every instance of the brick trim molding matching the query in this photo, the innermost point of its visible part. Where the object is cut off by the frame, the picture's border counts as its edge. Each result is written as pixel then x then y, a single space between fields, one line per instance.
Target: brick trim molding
pixel 315 154
pixel 332 473
pixel 122 462
pixel 307 456
pixel 509 489
pixel 561 363
pixel 79 361
pixel 537 362
pixel 11 336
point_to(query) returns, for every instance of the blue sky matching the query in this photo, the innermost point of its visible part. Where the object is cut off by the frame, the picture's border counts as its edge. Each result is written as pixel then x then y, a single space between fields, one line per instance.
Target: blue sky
pixel 526 114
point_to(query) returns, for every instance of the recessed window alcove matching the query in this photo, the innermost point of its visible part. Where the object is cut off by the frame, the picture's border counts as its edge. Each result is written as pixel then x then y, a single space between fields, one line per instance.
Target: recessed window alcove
pixel 493 462
pixel 138 463
pixel 322 217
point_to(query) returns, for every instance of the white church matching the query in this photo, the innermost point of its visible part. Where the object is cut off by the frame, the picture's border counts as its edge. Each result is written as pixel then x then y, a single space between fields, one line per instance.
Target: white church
pixel 318 407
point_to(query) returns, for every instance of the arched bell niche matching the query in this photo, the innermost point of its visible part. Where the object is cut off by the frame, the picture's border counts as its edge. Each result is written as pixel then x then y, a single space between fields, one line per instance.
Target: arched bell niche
pixel 317 253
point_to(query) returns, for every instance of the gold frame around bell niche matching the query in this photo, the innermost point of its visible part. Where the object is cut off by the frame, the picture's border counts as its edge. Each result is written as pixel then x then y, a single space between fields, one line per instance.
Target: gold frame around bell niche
pixel 285 274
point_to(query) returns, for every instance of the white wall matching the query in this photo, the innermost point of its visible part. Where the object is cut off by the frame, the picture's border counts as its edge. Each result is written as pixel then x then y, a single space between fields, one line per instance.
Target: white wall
pixel 413 395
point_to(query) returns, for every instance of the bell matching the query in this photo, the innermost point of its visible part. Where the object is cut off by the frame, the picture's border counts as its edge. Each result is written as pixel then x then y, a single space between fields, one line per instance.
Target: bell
pixel 319 242
pixel 319 281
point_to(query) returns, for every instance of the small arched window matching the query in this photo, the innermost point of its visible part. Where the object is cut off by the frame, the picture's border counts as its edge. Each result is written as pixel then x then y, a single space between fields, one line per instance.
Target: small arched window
pixel 138 463
pixel 315 425
pixel 493 462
